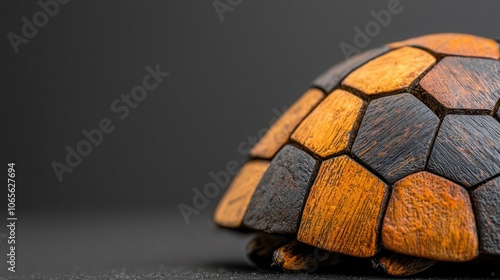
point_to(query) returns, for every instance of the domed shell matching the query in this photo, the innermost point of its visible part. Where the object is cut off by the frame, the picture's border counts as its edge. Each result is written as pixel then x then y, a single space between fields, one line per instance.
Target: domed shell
pixel 395 148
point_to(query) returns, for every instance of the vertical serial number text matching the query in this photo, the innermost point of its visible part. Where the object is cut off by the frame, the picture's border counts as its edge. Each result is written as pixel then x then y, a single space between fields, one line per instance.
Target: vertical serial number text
pixel 11 218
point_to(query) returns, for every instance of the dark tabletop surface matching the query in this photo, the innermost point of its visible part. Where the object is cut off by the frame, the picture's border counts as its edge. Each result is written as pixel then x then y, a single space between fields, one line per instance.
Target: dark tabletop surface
pixel 159 246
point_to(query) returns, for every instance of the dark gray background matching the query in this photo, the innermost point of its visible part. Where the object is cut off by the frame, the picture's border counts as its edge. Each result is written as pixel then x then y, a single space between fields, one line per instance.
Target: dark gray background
pixel 118 208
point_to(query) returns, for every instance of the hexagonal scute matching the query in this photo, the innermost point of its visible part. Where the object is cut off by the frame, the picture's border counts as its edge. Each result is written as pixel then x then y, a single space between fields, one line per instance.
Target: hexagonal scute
pixel 330 126
pixel 454 44
pixel 333 76
pixel 464 83
pixel 277 202
pixel 395 136
pixel 344 210
pixel 467 149
pixel 279 133
pixel 392 71
pixel 430 217
pixel 487 200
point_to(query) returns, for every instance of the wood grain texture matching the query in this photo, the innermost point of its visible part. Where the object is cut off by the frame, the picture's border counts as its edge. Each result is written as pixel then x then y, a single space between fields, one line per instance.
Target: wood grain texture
pixel 330 127
pixel 487 201
pixel 393 71
pixel 261 248
pixel 277 202
pixel 233 205
pixel 430 217
pixel 464 83
pixel 401 265
pixel 467 149
pixel 395 136
pixel 454 44
pixel 333 76
pixel 296 256
pixel 344 209
pixel 280 132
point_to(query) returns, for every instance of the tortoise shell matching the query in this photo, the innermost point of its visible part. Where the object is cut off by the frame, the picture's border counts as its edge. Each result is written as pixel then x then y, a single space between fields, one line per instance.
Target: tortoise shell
pixel 393 154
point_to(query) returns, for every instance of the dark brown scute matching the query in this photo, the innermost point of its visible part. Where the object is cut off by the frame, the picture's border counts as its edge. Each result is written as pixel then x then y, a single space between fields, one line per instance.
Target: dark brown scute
pixel 464 83
pixel 467 149
pixel 487 201
pixel 277 202
pixel 395 136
